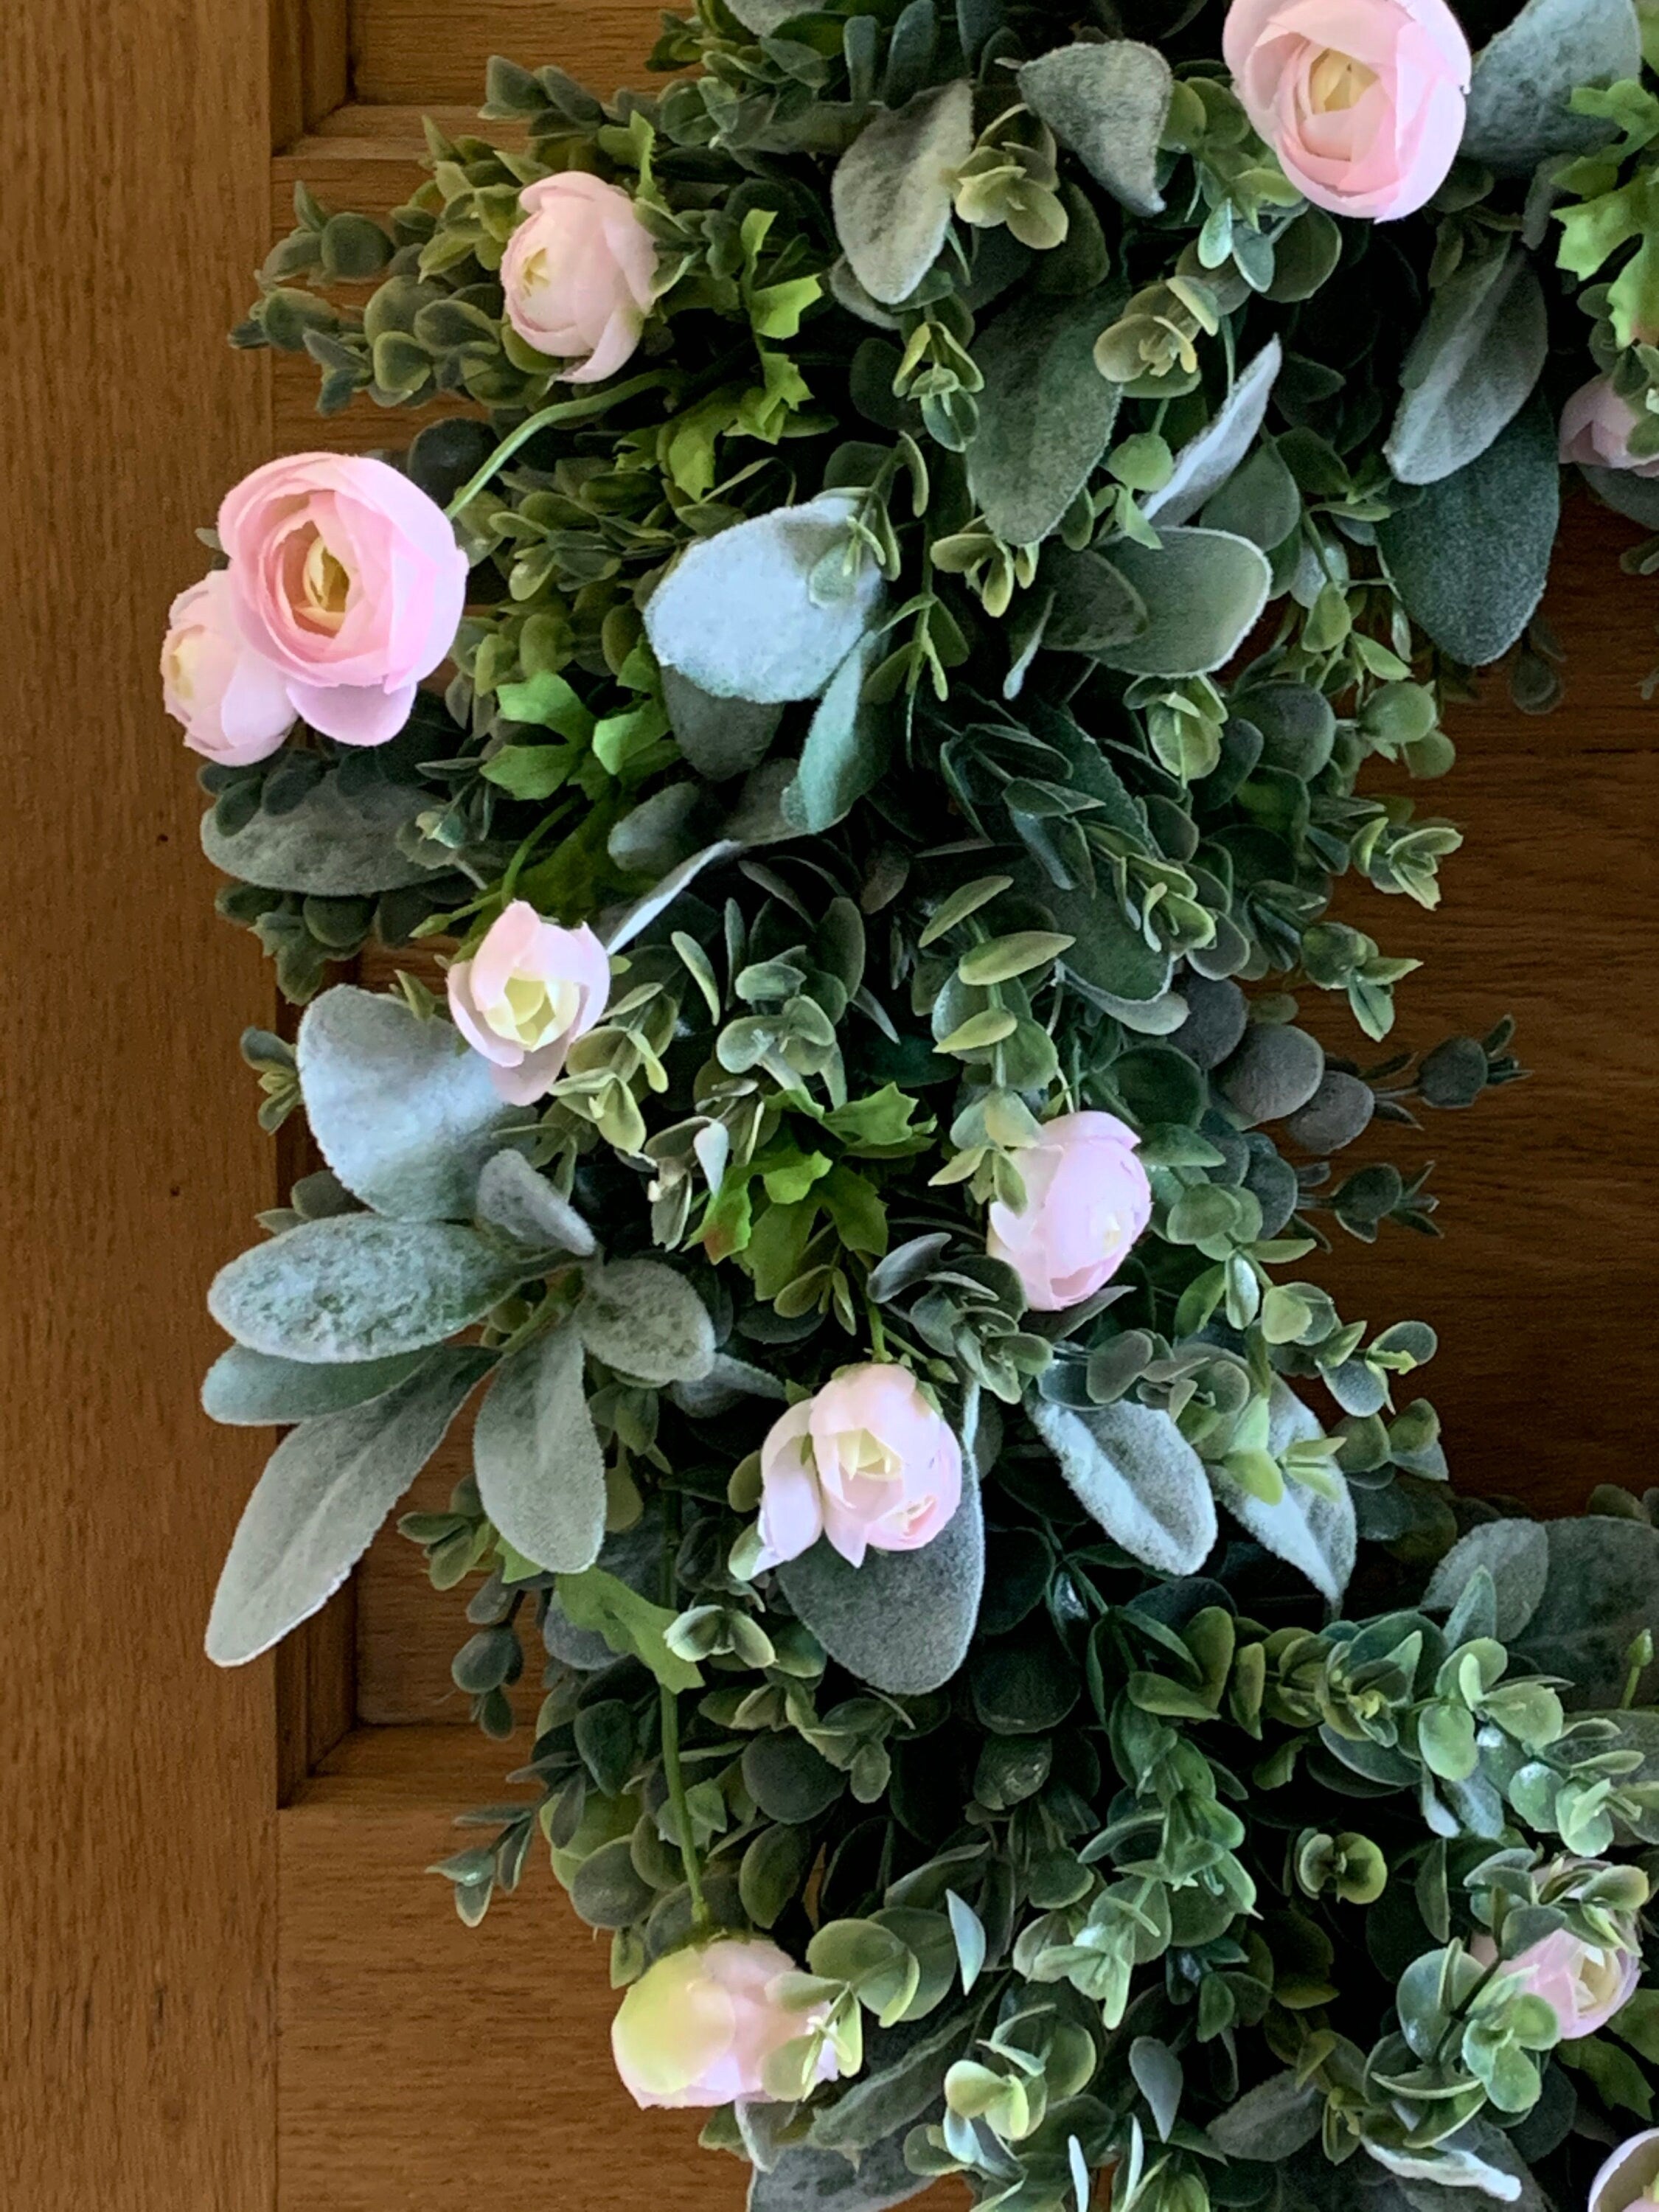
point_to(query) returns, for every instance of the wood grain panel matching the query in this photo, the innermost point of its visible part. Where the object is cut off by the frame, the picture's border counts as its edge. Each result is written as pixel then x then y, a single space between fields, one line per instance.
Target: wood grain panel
pixel 424 50
pixel 137 1824
pixel 428 2065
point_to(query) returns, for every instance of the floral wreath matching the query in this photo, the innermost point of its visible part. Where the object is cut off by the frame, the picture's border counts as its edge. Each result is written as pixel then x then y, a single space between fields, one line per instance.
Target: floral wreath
pixel 931 519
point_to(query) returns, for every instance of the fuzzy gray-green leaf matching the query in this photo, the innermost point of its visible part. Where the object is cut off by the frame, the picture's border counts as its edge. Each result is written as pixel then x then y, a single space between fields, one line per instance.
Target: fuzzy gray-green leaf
pixel 522 1204
pixel 536 1457
pixel 1045 415
pixel 1470 368
pixel 1523 80
pixel 646 1319
pixel 1205 463
pixel 1129 1466
pixel 1203 592
pixel 904 1620
pixel 1108 102
pixel 892 190
pixel 254 1390
pixel 326 846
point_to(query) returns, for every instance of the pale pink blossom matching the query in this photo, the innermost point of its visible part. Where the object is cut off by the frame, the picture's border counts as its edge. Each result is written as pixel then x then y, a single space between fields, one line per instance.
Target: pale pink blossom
pixel 1596 431
pixel 578 272
pixel 1628 2179
pixel 526 994
pixel 233 703
pixel 699 2026
pixel 1583 1983
pixel 348 580
pixel 868 1461
pixel 1087 1200
pixel 1363 101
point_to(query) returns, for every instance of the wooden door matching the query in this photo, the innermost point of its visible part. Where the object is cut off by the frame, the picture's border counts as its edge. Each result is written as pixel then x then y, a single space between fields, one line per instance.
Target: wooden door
pixel 228 1984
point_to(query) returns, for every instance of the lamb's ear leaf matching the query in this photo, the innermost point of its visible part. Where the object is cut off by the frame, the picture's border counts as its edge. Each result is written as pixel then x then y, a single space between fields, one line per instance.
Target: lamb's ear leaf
pixel 1524 78
pixel 904 1620
pixel 1045 415
pixel 721 738
pixel 1602 1591
pixel 1318 1535
pixel 1516 1556
pixel 891 191
pixel 536 1455
pixel 1471 367
pixel 328 846
pixel 523 1205
pixel 1271 2121
pixel 325 1489
pixel 765 612
pixel 845 751
pixel 1108 103
pixel 808 2180
pixel 620 925
pixel 1204 464
pixel 252 1390
pixel 1130 1467
pixel 356 1287
pixel 1203 591
pixel 1636 498
pixel 403 1109
pixel 646 1319
pixel 1471 557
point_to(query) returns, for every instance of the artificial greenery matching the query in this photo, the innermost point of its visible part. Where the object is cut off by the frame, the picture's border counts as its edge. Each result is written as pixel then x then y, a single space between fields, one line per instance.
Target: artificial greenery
pixel 952 665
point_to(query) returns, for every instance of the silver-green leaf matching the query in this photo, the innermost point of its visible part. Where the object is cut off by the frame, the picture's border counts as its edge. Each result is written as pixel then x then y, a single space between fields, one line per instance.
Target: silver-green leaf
pixel 1205 463
pixel 252 1390
pixel 1129 1466
pixel 326 846
pixel 536 1457
pixel 523 1205
pixel 1108 102
pixel 1203 590
pixel 646 1319
pixel 904 1620
pixel 1045 415
pixel 1523 79
pixel 1471 367
pixel 891 191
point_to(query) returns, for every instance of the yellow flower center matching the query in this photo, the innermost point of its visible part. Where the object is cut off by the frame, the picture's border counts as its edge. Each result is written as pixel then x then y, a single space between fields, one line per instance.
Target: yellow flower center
pixel 324 586
pixel 1337 81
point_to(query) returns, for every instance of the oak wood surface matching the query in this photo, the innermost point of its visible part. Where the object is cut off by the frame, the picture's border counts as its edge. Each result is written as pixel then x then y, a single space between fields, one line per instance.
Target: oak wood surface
pixel 137 1831
pixel 426 50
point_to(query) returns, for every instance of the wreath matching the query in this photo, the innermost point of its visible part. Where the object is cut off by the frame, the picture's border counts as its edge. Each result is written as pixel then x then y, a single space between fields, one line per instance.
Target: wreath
pixel 929 522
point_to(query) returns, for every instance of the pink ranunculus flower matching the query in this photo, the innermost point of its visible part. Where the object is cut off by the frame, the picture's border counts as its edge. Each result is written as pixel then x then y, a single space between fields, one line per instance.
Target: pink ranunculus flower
pixel 1595 430
pixel 578 273
pixel 233 703
pixel 527 993
pixel 1363 101
pixel 699 2026
pixel 1583 1983
pixel 347 578
pixel 1628 2180
pixel 1086 1201
pixel 868 1461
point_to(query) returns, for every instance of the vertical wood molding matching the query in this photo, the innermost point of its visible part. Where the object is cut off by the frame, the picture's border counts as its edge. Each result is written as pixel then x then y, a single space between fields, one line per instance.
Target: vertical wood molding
pixel 309 65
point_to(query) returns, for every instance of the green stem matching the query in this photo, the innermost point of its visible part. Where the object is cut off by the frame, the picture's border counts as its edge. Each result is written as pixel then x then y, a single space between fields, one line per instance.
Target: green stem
pixel 562 410
pixel 676 1778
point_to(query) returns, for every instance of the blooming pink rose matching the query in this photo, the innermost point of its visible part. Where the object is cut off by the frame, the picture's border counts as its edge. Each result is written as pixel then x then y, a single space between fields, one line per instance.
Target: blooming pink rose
pixel 870 1460
pixel 347 578
pixel 1628 2180
pixel 1595 429
pixel 1086 1200
pixel 1362 100
pixel 233 703
pixel 578 273
pixel 1583 1983
pixel 526 994
pixel 699 2026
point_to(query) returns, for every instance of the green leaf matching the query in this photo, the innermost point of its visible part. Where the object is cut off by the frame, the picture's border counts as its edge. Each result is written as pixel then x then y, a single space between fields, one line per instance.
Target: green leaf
pixel 1470 558
pixel 1096 607
pixel 1045 415
pixel 1108 103
pixel 892 191
pixel 1471 367
pixel 1130 1467
pixel 806 2179
pixel 325 1489
pixel 251 1389
pixel 1523 79
pixel 1206 462
pixel 1317 1534
pixel 356 1287
pixel 1203 591
pixel 547 700
pixel 532 771
pixel 903 1621
pixel 721 738
pixel 405 1111
pixel 746 615
pixel 328 846
pixel 1001 958
pixel 646 1319
pixel 904 2079
pixel 537 1458
pixel 631 1625
pixel 845 751
pixel 1279 2117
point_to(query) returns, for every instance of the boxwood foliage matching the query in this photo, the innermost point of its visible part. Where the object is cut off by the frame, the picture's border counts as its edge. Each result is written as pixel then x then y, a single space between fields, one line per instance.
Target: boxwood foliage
pixel 952 664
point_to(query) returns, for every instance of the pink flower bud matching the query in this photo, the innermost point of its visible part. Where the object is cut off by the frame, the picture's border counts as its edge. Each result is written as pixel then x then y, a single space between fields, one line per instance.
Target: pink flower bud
pixel 1086 1201
pixel 699 2026
pixel 577 273
pixel 1595 430
pixel 234 704
pixel 869 1461
pixel 526 994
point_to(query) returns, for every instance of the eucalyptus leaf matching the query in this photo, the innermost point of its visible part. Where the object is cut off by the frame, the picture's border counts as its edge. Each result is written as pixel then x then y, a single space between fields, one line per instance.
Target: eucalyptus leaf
pixel 1471 367
pixel 356 1287
pixel 325 1489
pixel 523 1205
pixel 1046 413
pixel 1523 79
pixel 1108 103
pixel 1471 557
pixel 721 738
pixel 1131 1468
pixel 328 846
pixel 1203 590
pixel 748 614
pixel 536 1457
pixel 904 1620
pixel 252 1390
pixel 405 1111
pixel 892 191
pixel 646 1319
pixel 1602 1590
pixel 1205 463
pixel 1515 1553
